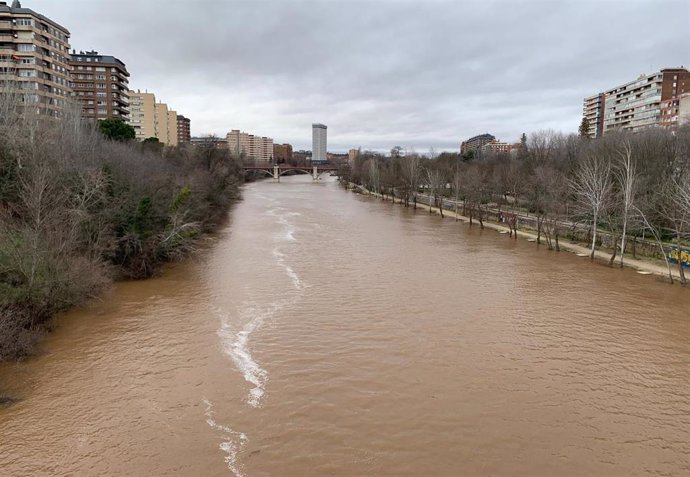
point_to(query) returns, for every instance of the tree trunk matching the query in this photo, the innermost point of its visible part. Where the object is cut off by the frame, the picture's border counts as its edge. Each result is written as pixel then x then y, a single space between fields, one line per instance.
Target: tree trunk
pixel 594 237
pixel 615 251
pixel 681 272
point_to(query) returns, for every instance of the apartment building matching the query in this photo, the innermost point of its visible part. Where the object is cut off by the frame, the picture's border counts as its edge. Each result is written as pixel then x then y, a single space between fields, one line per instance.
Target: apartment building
pixel 160 122
pixel 255 148
pixel 684 109
pixel 266 149
pixel 205 141
pixel 319 143
pixel 172 128
pixel 475 143
pixel 152 119
pixel 498 146
pixel 593 110
pixel 650 100
pixel 352 155
pixel 282 153
pixel 142 114
pixel 184 129
pixel 34 58
pixel 100 83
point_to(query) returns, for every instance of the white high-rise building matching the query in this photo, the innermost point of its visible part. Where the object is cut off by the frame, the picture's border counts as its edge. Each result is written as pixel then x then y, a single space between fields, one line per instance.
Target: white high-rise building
pixel 319 143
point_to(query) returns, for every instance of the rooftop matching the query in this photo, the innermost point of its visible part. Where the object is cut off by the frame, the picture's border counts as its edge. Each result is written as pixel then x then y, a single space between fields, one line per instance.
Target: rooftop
pixel 482 136
pixel 94 54
pixel 16 9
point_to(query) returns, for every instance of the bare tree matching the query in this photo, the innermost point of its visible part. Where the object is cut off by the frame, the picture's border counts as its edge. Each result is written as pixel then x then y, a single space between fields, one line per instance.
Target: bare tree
pixel 411 171
pixel 374 175
pixel 474 190
pixel 456 186
pixel 657 238
pixel 547 193
pixel 592 187
pixel 674 208
pixel 626 176
pixel 436 180
pixel 542 145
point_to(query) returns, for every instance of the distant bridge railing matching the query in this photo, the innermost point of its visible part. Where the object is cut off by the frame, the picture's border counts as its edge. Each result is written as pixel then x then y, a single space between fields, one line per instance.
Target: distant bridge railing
pixel 277 170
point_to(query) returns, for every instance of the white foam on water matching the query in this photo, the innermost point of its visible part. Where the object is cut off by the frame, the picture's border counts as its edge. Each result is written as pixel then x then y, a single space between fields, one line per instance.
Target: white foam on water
pixel 288 229
pixel 254 316
pixel 288 232
pixel 236 346
pixel 233 443
pixel 296 280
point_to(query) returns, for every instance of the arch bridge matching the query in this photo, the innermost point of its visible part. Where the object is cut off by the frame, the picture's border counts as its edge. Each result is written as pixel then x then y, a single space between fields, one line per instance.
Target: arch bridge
pixel 277 170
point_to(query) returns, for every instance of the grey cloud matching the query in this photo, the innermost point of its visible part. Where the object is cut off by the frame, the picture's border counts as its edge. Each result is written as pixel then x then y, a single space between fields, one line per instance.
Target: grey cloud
pixel 380 73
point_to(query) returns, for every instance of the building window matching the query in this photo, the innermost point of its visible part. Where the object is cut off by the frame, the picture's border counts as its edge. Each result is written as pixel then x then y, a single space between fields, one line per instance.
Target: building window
pixel 25 47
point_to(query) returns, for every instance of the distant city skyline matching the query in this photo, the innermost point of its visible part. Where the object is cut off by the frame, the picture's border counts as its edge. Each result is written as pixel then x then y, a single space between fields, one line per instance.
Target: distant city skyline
pixel 379 73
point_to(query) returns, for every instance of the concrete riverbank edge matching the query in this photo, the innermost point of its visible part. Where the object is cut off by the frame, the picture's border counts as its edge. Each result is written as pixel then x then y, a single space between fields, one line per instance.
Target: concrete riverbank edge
pixel 645 267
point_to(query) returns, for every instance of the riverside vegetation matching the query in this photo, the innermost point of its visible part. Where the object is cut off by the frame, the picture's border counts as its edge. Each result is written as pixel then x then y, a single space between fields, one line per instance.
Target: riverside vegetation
pixel 82 205
pixel 621 189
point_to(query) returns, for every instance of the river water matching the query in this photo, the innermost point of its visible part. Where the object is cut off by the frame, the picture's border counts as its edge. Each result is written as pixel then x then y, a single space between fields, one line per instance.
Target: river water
pixel 327 333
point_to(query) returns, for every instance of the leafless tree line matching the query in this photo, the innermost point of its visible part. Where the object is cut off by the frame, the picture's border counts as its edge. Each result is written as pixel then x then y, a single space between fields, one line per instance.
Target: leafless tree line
pixel 77 210
pixel 623 185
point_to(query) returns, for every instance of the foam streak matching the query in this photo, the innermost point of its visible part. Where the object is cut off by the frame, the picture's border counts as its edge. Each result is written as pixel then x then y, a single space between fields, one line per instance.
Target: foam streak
pixel 233 443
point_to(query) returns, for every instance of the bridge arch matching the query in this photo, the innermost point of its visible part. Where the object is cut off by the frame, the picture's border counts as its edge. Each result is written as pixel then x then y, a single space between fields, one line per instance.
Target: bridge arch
pixel 285 171
pixel 268 172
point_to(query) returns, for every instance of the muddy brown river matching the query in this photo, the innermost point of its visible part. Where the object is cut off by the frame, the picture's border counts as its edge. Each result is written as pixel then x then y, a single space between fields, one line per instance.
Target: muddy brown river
pixel 324 333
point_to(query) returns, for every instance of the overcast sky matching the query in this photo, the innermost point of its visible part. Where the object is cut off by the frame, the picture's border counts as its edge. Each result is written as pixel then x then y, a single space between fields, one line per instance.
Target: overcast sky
pixel 383 72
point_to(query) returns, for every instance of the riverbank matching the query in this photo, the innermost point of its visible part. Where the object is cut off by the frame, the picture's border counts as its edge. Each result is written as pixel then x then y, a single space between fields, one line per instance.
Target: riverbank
pixel 506 361
pixel 644 267
pixel 78 211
